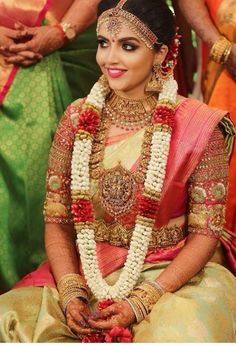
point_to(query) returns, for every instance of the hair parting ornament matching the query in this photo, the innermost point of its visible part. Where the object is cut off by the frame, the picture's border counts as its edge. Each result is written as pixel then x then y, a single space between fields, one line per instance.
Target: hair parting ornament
pixel 115 17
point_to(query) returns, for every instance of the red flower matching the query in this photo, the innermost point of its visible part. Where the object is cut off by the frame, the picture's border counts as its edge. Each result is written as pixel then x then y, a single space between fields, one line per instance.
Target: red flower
pixel 93 338
pixel 88 121
pixel 118 334
pixel 82 210
pixel 103 304
pixel 164 115
pixel 148 207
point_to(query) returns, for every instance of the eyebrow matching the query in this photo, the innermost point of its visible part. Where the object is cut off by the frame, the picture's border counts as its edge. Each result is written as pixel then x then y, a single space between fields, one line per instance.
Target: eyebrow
pixel 121 39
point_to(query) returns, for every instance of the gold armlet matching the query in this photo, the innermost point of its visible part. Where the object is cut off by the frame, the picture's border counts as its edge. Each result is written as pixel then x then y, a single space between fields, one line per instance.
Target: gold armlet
pixel 143 298
pixel 220 51
pixel 72 286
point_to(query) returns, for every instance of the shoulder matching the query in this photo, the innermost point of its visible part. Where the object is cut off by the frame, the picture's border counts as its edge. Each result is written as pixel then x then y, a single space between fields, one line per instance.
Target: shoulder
pixel 73 111
pixel 196 113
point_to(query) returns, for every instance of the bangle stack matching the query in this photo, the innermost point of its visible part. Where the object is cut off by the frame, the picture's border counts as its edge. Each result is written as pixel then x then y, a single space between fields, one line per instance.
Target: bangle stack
pixel 72 286
pixel 143 298
pixel 220 51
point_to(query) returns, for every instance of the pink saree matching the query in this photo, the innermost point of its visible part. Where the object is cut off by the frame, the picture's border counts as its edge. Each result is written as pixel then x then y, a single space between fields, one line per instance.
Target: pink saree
pixel 195 123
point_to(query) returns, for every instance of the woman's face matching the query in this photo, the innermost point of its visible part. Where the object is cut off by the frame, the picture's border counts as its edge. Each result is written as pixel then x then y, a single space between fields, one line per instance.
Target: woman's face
pixel 126 61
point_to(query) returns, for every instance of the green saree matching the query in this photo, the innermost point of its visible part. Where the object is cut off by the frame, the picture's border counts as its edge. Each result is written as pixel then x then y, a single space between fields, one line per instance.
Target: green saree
pixel 28 120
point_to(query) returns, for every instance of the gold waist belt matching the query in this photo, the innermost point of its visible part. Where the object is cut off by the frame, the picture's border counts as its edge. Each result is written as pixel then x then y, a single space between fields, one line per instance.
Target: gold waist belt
pixel 116 234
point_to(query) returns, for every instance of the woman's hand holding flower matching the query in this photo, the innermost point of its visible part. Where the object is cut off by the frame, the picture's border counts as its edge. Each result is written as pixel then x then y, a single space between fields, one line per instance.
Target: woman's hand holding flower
pixel 119 314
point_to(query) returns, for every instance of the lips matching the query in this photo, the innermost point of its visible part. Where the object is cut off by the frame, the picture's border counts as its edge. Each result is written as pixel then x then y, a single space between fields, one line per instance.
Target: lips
pixel 115 72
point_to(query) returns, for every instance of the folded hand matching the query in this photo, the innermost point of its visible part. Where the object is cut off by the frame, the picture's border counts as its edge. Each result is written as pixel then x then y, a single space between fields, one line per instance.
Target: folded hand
pixel 118 314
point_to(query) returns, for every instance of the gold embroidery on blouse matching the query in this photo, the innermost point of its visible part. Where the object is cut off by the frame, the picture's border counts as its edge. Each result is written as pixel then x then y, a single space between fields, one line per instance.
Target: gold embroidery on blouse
pixel 218 191
pixel 116 234
pixel 117 190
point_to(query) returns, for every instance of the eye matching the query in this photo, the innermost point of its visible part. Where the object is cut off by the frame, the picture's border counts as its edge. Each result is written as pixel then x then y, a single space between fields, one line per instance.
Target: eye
pixel 102 43
pixel 129 46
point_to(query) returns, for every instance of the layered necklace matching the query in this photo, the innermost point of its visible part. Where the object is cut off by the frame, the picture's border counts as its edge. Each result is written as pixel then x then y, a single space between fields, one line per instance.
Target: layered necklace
pixel 82 208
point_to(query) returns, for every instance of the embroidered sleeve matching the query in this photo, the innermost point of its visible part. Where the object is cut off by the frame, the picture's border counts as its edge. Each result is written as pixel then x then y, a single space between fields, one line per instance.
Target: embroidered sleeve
pixel 208 189
pixel 58 200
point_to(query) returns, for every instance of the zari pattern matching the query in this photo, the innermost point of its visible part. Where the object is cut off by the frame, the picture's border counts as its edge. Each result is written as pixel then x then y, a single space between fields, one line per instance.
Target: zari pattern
pixel 118 235
pixel 58 201
pixel 208 189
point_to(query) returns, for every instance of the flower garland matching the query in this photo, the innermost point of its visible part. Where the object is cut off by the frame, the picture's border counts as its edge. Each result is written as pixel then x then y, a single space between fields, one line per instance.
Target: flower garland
pixel 82 208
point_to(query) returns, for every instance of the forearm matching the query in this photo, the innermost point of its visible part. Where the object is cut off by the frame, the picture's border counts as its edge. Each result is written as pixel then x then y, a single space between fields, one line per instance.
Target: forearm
pixel 199 18
pixel 61 250
pixel 192 258
pixel 81 14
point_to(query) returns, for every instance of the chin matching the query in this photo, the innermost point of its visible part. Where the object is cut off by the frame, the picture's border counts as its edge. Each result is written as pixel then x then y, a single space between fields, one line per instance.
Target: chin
pixel 116 86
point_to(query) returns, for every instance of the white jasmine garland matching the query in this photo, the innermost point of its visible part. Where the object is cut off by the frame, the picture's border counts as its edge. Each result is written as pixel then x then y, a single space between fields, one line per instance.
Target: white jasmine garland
pixel 154 180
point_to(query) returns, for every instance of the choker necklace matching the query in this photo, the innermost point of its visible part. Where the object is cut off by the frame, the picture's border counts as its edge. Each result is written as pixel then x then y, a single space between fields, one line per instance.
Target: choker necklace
pixel 130 114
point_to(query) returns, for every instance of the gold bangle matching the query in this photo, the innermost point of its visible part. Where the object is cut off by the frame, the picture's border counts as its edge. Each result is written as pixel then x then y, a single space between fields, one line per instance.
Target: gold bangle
pixel 220 50
pixel 72 286
pixel 143 298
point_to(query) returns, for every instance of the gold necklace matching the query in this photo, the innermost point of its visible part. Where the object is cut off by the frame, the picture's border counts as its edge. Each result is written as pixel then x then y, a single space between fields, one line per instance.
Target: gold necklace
pixel 117 186
pixel 130 114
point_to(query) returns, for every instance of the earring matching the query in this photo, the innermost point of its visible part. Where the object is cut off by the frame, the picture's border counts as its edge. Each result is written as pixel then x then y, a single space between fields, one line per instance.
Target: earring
pixel 156 83
pixel 104 82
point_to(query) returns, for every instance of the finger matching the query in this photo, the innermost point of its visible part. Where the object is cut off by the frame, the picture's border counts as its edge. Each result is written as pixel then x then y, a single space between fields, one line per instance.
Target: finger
pixel 103 324
pixel 77 329
pixel 20 47
pixel 14 59
pixel 27 63
pixel 6 53
pixel 19 26
pixel 109 311
pixel 30 55
pixel 12 34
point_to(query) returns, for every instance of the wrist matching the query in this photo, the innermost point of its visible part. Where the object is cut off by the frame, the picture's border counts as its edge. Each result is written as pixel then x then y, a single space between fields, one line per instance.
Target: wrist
pixel 66 30
pixel 143 298
pixel 72 286
pixel 221 49
pixel 61 32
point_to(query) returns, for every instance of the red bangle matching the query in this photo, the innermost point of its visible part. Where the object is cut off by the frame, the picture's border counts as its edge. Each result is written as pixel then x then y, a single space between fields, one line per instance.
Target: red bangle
pixel 63 35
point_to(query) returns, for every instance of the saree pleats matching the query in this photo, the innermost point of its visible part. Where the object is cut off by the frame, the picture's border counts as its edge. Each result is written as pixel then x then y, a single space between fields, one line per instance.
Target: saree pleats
pixel 28 120
pixel 200 311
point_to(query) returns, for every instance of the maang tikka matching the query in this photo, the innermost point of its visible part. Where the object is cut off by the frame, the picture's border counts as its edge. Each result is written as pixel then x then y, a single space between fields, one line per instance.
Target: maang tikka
pixel 115 17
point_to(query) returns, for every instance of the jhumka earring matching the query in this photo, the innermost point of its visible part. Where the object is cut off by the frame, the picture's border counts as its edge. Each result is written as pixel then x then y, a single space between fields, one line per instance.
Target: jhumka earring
pixel 156 82
pixel 165 70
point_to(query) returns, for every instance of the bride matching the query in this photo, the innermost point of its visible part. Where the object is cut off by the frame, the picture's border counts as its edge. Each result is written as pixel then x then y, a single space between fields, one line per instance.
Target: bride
pixel 134 212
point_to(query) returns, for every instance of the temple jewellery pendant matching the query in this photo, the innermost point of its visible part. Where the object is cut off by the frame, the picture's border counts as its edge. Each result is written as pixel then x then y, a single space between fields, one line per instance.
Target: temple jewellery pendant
pixel 117 190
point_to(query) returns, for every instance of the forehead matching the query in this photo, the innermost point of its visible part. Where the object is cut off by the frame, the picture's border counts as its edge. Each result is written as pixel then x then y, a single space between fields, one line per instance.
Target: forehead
pixel 124 29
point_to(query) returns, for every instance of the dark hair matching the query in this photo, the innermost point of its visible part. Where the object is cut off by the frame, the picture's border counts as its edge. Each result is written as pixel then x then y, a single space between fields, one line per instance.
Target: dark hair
pixel 154 13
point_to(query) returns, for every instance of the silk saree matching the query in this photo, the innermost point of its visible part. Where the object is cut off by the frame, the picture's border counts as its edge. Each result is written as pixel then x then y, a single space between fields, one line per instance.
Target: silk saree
pixel 219 88
pixel 32 101
pixel 203 310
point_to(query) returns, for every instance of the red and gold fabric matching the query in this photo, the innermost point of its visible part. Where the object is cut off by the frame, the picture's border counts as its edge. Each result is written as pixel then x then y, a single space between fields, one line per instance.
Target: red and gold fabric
pixel 197 176
pixel 219 89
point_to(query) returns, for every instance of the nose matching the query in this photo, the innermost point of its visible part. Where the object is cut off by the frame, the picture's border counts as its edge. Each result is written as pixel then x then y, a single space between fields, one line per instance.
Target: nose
pixel 112 55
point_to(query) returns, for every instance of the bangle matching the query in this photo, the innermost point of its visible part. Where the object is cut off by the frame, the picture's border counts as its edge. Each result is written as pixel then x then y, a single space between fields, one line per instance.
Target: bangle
pixel 143 298
pixel 72 286
pixel 220 50
pixel 62 32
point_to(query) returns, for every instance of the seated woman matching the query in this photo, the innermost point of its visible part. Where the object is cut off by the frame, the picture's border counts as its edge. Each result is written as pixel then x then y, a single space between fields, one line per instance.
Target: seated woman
pixel 136 191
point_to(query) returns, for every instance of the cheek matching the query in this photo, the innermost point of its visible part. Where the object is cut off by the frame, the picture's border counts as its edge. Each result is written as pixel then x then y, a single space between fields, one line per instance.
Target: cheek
pixel 100 58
